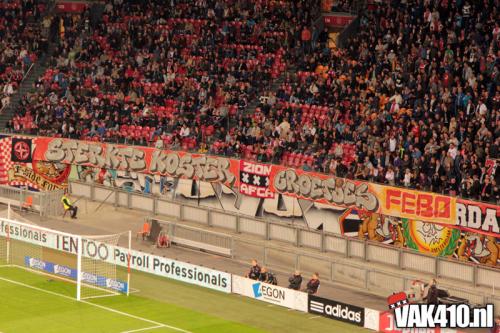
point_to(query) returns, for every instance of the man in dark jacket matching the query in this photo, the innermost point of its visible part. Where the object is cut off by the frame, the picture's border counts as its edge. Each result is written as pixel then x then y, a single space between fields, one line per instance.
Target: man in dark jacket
pixel 263 275
pixel 295 281
pixel 267 277
pixel 254 273
pixel 313 284
pixel 432 294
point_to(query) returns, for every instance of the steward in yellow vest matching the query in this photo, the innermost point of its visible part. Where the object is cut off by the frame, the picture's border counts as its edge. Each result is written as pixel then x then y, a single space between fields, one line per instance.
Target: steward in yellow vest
pixel 68 206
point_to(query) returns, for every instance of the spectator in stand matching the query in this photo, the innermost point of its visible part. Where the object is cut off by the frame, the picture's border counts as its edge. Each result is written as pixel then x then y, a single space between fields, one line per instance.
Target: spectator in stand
pixel 295 281
pixel 313 284
pixel 267 277
pixel 305 38
pixel 263 275
pixel 254 272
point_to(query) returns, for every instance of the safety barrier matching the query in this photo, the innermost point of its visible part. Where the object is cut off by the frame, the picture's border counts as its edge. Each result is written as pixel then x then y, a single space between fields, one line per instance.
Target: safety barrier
pixel 353 273
pixel 197 238
pixel 46 203
pixel 412 262
pixel 340 270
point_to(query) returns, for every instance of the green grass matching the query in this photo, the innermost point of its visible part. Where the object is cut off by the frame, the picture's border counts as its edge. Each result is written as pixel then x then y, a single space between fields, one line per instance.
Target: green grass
pixel 31 302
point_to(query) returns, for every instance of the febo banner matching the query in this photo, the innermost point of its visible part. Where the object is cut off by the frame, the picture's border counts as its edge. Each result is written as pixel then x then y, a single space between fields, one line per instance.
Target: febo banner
pixel 138 159
pixel 337 310
pixel 289 298
pixel 416 205
pixel 117 255
pixel 254 179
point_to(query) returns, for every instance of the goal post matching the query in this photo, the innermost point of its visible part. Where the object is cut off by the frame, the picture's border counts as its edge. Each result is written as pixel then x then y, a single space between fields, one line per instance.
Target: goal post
pixel 86 261
pixel 79 270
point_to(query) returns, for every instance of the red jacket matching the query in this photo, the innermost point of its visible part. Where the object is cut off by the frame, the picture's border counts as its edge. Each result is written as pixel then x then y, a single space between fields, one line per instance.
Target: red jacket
pixel 306 35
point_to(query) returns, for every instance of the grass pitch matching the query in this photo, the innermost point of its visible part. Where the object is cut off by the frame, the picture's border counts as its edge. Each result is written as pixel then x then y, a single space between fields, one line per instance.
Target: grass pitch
pixel 31 302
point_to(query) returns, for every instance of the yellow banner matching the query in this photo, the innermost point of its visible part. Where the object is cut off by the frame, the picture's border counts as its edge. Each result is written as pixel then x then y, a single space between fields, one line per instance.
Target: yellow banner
pixel 416 205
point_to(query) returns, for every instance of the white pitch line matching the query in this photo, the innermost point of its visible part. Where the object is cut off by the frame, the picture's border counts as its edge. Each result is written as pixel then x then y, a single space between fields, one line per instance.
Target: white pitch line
pixel 314 317
pixel 132 291
pixel 142 329
pixel 96 305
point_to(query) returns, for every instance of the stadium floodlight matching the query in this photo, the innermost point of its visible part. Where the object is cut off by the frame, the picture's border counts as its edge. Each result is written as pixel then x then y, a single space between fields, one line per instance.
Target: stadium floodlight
pixel 86 261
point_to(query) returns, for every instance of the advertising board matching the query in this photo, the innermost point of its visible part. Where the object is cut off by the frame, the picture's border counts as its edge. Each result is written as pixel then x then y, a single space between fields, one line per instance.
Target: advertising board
pixel 269 293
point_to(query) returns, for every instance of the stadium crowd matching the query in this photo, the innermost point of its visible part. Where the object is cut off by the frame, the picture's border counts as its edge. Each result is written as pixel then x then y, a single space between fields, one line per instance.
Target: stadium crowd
pixel 161 68
pixel 412 101
pixel 415 91
pixel 20 43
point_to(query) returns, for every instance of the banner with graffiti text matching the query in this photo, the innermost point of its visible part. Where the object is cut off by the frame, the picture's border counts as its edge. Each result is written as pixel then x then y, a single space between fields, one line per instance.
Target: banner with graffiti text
pixel 257 189
pixel 138 159
pixel 364 196
pixel 324 188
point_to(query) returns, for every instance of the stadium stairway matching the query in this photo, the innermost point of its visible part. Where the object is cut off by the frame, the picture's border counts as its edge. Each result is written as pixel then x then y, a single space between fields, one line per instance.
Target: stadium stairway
pixel 26 86
pixel 275 85
pixel 39 67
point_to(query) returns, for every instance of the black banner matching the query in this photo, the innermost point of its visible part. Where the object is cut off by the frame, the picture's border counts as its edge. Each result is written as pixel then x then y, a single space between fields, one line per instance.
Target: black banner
pixel 336 310
pixel 21 150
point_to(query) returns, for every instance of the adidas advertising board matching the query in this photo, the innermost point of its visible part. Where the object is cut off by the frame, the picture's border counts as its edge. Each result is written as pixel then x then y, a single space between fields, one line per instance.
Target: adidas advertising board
pixel 336 310
pixel 269 293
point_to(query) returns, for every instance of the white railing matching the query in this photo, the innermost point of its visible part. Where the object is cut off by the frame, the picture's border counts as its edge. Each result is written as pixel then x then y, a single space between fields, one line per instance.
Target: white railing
pixel 197 238
pixel 45 203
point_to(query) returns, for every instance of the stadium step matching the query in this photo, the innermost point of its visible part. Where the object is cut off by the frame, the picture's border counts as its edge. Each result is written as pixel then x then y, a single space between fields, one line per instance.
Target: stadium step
pixel 26 85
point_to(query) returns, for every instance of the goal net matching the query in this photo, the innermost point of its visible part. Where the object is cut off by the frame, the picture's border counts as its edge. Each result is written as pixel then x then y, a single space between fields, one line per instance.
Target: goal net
pixel 86 261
